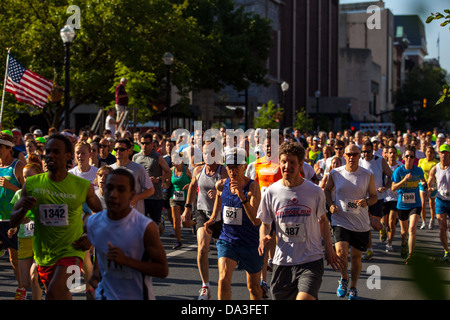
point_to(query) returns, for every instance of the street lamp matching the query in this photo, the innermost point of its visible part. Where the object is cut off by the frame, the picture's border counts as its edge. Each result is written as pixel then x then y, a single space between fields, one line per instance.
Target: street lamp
pixel 284 86
pixel 317 94
pixel 284 89
pixel 168 61
pixel 67 34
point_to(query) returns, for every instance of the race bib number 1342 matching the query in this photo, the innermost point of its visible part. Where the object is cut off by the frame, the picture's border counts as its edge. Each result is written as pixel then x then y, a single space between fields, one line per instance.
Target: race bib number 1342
pixel 54 215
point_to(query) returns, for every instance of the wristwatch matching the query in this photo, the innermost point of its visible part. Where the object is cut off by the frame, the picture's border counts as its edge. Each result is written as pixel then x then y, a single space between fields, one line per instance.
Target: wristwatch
pixel 187 205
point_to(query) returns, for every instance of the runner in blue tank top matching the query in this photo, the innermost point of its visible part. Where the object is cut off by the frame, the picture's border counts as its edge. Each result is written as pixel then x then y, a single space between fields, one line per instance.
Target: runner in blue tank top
pixel 406 181
pixel 238 198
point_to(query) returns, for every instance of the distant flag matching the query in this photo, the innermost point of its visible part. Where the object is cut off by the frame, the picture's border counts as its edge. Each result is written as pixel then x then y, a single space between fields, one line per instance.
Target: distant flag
pixel 28 87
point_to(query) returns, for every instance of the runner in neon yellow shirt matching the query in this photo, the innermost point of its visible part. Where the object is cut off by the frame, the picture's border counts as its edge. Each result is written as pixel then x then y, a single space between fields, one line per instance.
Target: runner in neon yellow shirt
pixel 56 199
pixel 426 164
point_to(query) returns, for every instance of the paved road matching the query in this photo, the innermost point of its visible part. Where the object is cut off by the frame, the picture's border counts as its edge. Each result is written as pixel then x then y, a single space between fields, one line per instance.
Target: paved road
pixel 386 277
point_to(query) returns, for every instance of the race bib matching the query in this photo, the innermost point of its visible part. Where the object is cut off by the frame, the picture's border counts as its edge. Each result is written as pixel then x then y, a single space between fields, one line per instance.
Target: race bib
pixel 232 215
pixel 54 215
pixel 28 229
pixel 350 206
pixel 293 232
pixel 409 197
pixel 178 195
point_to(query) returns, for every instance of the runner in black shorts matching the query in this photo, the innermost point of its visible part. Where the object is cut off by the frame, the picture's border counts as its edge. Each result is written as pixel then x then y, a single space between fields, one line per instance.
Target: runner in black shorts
pixel 405 181
pixel 204 179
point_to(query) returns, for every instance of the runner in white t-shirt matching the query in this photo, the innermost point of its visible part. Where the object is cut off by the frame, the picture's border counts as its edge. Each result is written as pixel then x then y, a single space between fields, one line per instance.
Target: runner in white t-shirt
pixel 297 206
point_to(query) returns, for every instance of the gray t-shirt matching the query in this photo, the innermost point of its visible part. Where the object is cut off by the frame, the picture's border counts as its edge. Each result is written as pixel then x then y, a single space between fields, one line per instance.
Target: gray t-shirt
pixel 151 165
pixel 141 178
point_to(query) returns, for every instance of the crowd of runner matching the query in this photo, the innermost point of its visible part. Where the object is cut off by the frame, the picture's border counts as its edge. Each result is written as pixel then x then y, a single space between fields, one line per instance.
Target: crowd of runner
pixel 280 201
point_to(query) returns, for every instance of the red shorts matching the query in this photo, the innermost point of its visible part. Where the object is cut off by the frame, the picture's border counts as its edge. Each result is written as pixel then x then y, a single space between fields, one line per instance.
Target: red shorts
pixel 46 272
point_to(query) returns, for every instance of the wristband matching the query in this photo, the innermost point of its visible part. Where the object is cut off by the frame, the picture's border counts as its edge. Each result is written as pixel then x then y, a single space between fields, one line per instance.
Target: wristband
pixel 187 205
pixel 245 201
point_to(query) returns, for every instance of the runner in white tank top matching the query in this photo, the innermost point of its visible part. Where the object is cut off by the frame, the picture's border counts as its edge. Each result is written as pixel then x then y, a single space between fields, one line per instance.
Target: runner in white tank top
pixel 382 177
pixel 127 243
pixel 350 217
pixel 440 174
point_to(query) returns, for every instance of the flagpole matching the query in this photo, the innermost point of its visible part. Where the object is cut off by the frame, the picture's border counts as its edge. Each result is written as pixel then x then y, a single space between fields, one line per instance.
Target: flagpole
pixel 4 86
pixel 439 47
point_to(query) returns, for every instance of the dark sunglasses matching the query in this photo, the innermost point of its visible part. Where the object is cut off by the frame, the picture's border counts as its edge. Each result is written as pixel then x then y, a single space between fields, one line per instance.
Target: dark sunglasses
pixel 409 156
pixel 120 149
pixel 352 154
pixel 146 143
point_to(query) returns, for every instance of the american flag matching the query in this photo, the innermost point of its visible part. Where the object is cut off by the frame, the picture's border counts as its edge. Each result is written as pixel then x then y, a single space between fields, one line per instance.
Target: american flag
pixel 27 86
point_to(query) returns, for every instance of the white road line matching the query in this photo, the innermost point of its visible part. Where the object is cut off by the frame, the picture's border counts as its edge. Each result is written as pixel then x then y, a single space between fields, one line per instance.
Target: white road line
pixel 182 250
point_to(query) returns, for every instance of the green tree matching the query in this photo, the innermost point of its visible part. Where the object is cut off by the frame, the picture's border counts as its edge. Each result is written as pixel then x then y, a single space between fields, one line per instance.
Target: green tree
pixel 234 45
pixel 303 120
pixel 269 116
pixel 445 95
pixel 424 82
pixel 134 34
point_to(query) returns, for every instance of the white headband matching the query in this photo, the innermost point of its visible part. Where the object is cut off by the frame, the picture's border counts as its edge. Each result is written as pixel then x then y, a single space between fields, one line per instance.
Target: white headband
pixel 7 143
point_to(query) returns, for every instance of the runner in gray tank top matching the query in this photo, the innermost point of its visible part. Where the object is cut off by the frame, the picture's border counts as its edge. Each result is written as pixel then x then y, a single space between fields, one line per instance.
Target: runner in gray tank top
pixel 204 179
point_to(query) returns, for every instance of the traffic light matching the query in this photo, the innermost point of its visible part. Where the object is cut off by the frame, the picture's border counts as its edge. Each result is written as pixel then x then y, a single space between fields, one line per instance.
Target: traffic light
pixel 424 102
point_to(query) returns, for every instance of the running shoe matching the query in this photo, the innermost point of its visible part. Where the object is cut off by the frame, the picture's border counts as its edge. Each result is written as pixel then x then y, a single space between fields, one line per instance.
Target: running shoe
pixel 265 290
pixel 205 294
pixel 389 248
pixel 177 246
pixel 423 226
pixel 431 225
pixel 342 289
pixel 446 257
pixel 352 294
pixel 21 294
pixel 368 255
